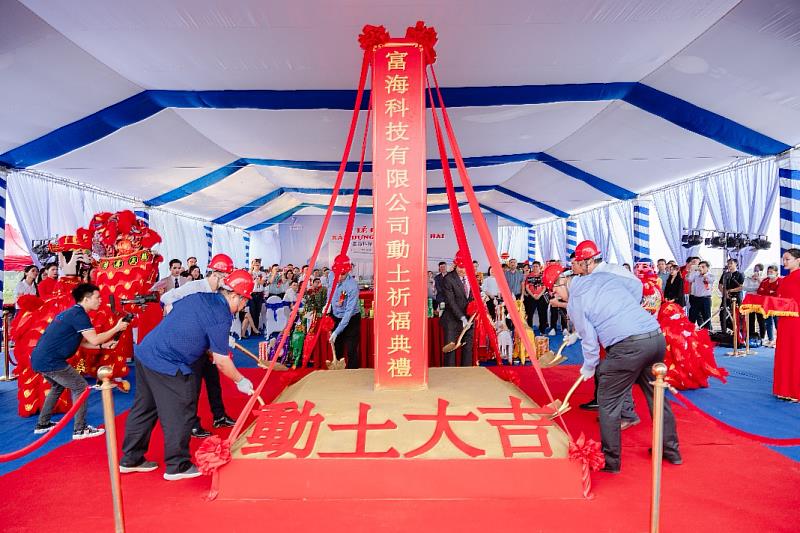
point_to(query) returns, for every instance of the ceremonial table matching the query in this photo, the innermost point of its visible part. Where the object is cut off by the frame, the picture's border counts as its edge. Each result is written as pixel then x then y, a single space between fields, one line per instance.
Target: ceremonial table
pixel 769 306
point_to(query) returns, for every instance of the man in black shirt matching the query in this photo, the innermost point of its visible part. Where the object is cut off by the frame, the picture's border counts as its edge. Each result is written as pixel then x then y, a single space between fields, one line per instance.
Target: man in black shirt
pixel 730 285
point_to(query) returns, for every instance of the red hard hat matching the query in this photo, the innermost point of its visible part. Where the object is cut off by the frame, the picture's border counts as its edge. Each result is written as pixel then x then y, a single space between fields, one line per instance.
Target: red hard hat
pixel 460 259
pixel 239 281
pixel 221 263
pixel 551 274
pixel 341 265
pixel 586 250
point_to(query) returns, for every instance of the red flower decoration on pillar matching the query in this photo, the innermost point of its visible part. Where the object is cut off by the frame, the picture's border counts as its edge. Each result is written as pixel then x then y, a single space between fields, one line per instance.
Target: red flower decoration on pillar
pixel 425 36
pixel 372 36
pixel 587 452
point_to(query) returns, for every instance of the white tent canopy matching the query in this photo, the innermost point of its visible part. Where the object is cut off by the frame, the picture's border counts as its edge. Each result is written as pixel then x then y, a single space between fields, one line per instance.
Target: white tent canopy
pixel 236 111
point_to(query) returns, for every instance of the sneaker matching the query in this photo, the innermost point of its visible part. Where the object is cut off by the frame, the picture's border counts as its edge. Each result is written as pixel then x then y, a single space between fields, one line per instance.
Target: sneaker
pixel 87 433
pixel 224 422
pixel 552 332
pixel 200 432
pixel 189 473
pixel 144 466
pixel 41 429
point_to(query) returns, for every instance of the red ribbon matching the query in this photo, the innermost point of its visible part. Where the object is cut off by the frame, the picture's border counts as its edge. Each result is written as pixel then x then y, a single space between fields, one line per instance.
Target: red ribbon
pixel 41 441
pixel 248 408
pixel 587 452
pixel 372 36
pixel 212 454
pixel 425 36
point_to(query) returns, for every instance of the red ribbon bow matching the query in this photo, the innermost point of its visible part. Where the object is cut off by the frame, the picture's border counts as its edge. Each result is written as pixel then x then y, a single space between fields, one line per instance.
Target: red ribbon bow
pixel 372 36
pixel 212 454
pixel 588 452
pixel 425 36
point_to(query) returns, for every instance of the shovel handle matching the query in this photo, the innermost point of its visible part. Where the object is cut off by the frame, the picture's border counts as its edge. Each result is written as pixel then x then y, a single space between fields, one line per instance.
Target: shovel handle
pixel 250 354
pixel 572 390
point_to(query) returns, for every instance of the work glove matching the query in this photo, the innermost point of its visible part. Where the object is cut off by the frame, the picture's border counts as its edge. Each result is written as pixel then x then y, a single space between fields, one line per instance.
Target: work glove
pixel 333 337
pixel 231 342
pixel 464 321
pixel 245 386
pixel 587 373
pixel 571 339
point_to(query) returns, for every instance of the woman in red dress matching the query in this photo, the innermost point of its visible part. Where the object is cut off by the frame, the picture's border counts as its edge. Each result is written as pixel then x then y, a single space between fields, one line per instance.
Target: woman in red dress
pixel 769 287
pixel 786 383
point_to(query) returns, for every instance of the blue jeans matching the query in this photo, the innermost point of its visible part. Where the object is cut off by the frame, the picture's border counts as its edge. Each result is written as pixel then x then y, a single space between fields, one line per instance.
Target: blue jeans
pixel 67 378
pixel 770 323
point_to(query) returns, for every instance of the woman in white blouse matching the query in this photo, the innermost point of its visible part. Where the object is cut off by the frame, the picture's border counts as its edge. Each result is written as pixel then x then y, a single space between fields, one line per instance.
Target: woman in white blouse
pixel 489 288
pixel 27 284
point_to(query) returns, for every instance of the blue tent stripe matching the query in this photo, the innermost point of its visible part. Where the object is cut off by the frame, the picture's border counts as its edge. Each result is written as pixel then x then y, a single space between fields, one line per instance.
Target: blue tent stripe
pixel 793 239
pixel 790 216
pixel 615 191
pixel 788 173
pixel 643 222
pixel 531 201
pixel 703 122
pixel 641 209
pixel 507 217
pixel 789 192
pixel 196 185
pixel 147 103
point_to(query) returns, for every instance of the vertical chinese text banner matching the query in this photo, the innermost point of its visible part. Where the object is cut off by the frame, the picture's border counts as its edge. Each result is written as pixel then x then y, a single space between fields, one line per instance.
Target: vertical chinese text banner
pixel 400 210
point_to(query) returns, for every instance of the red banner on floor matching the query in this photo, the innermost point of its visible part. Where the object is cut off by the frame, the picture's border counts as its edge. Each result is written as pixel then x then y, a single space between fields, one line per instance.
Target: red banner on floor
pixel 400 211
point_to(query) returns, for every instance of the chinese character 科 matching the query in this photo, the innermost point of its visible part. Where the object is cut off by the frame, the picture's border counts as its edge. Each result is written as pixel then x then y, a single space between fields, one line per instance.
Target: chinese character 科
pixel 396 131
pixel 397 249
pixel 361 429
pixel 533 427
pixel 397 177
pixel 280 426
pixel 443 428
pixel 397 154
pixel 398 225
pixel 399 343
pixel 393 105
pixel 398 275
pixel 397 84
pixel 400 367
pixel 398 296
pixel 396 60
pixel 400 321
pixel 397 202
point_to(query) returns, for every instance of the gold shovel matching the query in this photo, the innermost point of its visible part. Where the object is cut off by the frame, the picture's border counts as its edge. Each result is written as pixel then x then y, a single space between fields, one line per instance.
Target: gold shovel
pixel 336 364
pixel 259 362
pixel 452 346
pixel 559 407
pixel 550 359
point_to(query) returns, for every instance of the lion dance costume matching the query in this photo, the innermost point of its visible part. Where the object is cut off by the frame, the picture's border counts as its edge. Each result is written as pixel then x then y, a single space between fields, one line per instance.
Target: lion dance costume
pixel 124 267
pixel 690 353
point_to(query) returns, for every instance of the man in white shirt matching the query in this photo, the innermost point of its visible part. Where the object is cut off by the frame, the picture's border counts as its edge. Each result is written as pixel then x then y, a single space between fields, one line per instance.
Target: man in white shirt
pixel 701 282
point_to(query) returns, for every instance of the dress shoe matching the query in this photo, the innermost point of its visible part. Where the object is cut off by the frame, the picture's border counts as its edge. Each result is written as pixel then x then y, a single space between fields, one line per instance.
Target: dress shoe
pixel 609 470
pixel 625 424
pixel 224 422
pixel 668 458
pixel 200 432
pixel 590 406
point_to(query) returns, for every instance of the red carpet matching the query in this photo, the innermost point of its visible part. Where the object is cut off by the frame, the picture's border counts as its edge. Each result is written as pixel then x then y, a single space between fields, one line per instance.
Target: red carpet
pixel 725 484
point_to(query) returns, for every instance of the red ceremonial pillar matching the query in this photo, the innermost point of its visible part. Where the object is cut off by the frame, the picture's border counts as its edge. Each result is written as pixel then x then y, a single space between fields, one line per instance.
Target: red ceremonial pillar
pixel 400 211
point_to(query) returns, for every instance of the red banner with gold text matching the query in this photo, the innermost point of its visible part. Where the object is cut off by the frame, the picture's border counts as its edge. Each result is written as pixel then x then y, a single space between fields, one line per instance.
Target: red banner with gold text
pixel 399 208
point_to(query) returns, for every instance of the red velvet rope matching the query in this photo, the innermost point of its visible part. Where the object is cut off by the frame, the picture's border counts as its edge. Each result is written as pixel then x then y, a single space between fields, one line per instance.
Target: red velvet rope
pixel 41 441
pixel 488 241
pixel 237 428
pixel 751 436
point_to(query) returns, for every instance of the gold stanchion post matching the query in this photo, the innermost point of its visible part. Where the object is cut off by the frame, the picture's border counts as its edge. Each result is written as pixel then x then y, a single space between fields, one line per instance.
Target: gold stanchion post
pixel 735 351
pixel 7 376
pixel 747 350
pixel 104 374
pixel 660 372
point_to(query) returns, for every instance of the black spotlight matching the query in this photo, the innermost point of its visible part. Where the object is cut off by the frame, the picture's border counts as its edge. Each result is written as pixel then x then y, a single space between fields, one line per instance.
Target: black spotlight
pixel 760 243
pixel 718 240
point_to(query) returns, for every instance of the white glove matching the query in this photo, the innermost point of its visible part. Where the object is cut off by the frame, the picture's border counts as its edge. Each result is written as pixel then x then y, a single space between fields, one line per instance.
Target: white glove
pixel 571 339
pixel 245 386
pixel 231 342
pixel 587 373
pixel 333 337
pixel 464 321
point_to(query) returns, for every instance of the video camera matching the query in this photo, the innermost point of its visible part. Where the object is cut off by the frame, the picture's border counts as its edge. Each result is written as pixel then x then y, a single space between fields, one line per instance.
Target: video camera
pixel 140 299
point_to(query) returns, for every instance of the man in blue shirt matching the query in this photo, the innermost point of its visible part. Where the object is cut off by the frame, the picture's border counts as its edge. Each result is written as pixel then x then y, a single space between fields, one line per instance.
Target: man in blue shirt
pixel 605 309
pixel 60 340
pixel 346 315
pixel 220 266
pixel 167 361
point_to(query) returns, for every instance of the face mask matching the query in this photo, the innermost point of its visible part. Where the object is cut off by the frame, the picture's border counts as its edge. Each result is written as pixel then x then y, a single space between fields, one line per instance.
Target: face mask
pixel 773 275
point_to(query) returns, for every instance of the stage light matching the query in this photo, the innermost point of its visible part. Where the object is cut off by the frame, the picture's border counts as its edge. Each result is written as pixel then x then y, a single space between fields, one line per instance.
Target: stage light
pixel 718 240
pixel 692 239
pixel 760 243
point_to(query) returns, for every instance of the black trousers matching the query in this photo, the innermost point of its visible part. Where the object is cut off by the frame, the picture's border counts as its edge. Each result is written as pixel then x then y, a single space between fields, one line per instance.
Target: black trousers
pixel 452 330
pixel 171 400
pixel 556 314
pixel 255 306
pixel 726 313
pixel 761 325
pixel 348 341
pixel 207 371
pixel 700 310
pixel 628 362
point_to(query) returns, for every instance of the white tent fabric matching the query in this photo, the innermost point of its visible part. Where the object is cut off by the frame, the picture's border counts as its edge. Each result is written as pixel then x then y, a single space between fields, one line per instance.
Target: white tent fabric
pixel 679 208
pixel 620 221
pixel 553 239
pixel 742 199
pixel 514 241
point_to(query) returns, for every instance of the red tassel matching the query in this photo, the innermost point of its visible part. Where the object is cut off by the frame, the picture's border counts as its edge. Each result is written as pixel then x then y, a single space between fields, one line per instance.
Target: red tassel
pixel 212 454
